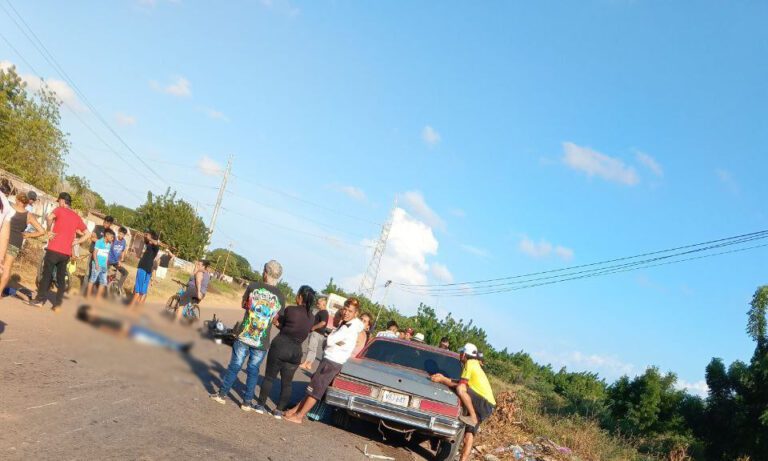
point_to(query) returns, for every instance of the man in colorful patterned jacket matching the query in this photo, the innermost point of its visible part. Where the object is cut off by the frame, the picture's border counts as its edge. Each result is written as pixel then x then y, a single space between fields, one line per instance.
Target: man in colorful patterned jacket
pixel 261 301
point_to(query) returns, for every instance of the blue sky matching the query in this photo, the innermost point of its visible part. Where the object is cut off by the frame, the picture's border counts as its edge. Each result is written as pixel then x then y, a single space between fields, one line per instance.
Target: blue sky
pixel 518 137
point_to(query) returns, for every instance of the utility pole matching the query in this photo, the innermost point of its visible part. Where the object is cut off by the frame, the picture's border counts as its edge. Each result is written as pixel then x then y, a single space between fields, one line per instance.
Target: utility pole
pixel 224 272
pixel 383 304
pixel 368 284
pixel 215 214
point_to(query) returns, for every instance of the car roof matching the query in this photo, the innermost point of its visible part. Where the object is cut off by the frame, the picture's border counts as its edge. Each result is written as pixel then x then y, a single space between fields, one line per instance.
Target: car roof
pixel 415 345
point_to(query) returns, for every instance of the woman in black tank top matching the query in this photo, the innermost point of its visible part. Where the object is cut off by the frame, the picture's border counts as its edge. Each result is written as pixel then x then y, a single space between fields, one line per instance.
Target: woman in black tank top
pixel 17 225
pixel 284 356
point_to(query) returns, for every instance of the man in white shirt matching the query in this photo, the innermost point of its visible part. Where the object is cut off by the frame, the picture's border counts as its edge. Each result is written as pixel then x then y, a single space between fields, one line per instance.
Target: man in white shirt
pixel 338 349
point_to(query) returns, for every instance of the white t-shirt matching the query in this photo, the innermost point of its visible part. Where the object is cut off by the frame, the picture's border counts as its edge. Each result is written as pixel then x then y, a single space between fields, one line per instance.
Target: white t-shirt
pixel 8 210
pixel 342 341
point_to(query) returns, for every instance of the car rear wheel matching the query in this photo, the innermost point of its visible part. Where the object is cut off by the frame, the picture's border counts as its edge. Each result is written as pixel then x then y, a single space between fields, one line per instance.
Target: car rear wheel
pixel 447 451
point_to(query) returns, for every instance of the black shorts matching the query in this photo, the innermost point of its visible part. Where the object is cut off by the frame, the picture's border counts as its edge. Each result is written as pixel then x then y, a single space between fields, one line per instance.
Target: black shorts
pixel 483 410
pixel 322 378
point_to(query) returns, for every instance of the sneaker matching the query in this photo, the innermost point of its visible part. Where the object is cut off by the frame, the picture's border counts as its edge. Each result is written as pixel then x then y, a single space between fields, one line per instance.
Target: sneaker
pixel 56 309
pixel 246 406
pixel 217 398
pixel 277 414
pixel 259 408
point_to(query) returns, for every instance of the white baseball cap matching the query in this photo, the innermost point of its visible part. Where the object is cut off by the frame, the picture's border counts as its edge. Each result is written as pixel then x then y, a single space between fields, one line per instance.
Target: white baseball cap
pixel 418 337
pixel 469 349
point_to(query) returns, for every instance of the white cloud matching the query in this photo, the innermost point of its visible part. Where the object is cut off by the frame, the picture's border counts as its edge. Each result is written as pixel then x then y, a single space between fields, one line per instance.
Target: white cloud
pixel 594 163
pixel 473 250
pixel 125 120
pixel 209 167
pixel 216 115
pixel 566 254
pixel 64 92
pixel 699 388
pixel 181 87
pixel 726 177
pixel 430 136
pixel 650 163
pixel 543 249
pixel 353 192
pixel 415 203
pixel 410 243
pixel 607 366
pixel 441 273
pixel 458 212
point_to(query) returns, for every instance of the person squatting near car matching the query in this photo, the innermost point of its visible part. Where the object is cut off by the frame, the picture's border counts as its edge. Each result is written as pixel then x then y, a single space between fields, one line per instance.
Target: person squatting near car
pixel 474 391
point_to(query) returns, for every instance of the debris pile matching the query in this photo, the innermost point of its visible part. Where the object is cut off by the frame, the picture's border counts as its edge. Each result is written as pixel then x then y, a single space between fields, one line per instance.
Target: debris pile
pixel 504 437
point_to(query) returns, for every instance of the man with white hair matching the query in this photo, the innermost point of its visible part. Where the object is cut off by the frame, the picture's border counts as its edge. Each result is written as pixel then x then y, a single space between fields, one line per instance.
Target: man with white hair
pixel 474 391
pixel 261 301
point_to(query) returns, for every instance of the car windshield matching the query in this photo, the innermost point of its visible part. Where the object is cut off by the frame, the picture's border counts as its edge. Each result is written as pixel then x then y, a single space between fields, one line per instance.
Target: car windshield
pixel 412 357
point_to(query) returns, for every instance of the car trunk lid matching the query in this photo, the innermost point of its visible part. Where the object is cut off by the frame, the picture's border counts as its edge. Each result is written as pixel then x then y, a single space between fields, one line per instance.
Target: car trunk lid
pixel 399 379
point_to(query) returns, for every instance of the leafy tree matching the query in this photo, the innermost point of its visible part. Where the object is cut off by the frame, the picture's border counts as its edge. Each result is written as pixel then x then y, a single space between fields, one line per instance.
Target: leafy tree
pixel 83 198
pixel 122 214
pixel 236 265
pixel 32 144
pixel 176 221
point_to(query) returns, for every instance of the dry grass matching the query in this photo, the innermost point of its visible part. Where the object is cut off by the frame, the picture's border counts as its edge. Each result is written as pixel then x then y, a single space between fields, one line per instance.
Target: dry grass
pixel 519 420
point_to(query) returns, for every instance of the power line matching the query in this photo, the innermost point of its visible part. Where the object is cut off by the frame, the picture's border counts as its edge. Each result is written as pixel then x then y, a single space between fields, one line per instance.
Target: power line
pixel 53 62
pixel 610 261
pixel 327 238
pixel 319 223
pixel 525 281
pixel 72 110
pixel 309 202
pixel 468 292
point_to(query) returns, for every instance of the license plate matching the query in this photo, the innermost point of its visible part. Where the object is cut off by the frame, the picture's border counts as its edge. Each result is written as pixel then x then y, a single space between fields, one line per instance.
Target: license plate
pixel 394 398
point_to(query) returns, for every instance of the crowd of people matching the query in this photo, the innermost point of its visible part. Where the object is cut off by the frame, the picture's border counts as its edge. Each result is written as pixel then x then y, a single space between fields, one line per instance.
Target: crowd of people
pixel 304 322
pixel 65 231
pixel 344 336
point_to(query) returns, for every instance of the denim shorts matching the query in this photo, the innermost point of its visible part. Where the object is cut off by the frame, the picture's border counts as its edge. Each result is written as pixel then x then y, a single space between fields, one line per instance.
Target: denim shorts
pixel 142 281
pixel 98 275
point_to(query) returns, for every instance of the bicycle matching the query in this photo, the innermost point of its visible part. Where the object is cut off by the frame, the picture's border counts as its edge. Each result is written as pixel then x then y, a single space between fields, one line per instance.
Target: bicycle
pixel 190 311
pixel 114 287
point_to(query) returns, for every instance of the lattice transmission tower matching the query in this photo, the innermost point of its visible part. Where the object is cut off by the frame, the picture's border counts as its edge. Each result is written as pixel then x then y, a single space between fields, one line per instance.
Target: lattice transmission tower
pixel 368 284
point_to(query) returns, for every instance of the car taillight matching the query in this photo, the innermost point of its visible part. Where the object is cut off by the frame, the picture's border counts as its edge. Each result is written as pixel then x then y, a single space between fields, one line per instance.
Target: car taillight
pixel 439 408
pixel 351 386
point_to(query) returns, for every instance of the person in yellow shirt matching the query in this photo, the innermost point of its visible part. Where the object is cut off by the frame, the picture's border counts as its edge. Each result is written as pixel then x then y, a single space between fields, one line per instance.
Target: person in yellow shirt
pixel 474 391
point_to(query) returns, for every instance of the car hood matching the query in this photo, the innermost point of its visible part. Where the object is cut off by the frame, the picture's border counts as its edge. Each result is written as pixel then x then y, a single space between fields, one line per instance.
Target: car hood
pixel 400 379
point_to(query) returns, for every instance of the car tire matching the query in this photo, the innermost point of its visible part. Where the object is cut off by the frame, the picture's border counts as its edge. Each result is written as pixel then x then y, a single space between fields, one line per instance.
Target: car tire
pixel 447 451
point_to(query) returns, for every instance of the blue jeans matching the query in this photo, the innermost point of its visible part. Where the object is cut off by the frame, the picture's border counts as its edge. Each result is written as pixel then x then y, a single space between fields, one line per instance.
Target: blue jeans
pixel 255 356
pixel 147 336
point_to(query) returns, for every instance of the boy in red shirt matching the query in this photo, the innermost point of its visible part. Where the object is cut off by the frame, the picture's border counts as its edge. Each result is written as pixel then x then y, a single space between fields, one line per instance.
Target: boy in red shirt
pixel 66 225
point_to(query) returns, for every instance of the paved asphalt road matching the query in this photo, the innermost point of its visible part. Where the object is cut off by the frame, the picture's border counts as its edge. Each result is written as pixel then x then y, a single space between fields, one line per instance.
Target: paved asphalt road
pixel 70 391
